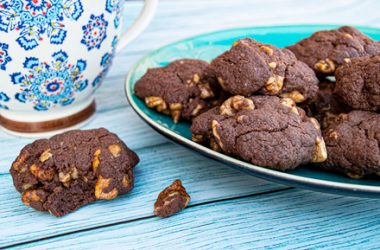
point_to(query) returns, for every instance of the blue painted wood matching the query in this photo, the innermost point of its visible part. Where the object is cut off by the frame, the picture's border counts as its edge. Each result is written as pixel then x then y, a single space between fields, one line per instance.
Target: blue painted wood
pixel 291 219
pixel 288 219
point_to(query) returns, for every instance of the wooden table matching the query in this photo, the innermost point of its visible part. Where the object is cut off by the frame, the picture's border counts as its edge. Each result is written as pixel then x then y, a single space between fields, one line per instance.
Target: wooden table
pixel 228 208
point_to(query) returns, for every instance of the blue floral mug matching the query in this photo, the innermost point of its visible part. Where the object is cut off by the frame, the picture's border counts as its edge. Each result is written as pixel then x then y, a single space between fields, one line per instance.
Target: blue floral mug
pixel 54 54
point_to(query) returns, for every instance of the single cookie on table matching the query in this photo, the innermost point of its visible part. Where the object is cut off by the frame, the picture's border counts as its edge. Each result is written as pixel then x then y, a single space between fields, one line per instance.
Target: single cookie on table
pixel 326 106
pixel 326 50
pixel 251 67
pixel 358 83
pixel 72 169
pixel 353 144
pixel 181 89
pixel 267 131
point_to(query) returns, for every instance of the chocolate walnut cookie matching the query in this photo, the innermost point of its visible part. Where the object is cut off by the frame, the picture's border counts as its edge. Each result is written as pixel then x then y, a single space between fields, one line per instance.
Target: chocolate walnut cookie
pixel 353 144
pixel 265 130
pixel 326 50
pixel 72 169
pixel 180 89
pixel 250 67
pixel 358 83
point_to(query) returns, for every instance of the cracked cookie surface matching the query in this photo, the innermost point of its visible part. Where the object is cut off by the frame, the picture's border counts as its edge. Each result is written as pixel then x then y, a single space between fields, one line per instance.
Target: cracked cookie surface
pixel 326 50
pixel 251 67
pixel 267 131
pixel 72 169
pixel 353 144
pixel 182 89
pixel 358 83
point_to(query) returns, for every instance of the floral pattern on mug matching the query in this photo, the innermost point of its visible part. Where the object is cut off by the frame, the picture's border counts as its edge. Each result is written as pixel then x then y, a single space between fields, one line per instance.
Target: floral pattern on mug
pixel 95 32
pixel 4 56
pixel 105 63
pixel 47 85
pixel 114 6
pixel 34 19
pixel 3 98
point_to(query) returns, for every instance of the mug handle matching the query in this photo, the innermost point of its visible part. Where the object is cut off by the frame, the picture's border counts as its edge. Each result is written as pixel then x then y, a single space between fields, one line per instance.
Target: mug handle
pixel 139 25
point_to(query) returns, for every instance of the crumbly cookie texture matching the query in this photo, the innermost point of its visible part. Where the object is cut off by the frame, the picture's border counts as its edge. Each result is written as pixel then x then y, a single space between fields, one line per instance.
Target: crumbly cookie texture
pixel 326 50
pixel 353 144
pixel 72 169
pixel 251 67
pixel 182 89
pixel 326 106
pixel 171 200
pixel 358 83
pixel 265 130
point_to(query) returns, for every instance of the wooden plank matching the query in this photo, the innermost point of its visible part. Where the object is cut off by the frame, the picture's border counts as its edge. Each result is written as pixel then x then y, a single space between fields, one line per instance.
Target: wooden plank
pixel 291 219
pixel 205 179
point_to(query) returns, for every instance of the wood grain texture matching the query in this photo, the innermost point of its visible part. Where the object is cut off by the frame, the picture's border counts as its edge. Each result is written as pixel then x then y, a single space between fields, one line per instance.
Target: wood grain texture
pixel 291 219
pixel 286 219
pixel 206 180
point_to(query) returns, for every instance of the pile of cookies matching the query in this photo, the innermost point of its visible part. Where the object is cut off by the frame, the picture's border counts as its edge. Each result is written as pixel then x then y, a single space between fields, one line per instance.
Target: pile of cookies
pixel 312 102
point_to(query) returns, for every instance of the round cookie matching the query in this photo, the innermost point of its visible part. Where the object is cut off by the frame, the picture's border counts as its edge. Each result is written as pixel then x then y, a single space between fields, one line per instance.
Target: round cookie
pixel 72 169
pixel 353 144
pixel 178 89
pixel 358 83
pixel 251 67
pixel 265 130
pixel 326 50
pixel 326 106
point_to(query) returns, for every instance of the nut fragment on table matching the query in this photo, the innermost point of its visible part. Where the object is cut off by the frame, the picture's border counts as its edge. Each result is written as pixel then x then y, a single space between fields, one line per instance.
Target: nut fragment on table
pixel 171 200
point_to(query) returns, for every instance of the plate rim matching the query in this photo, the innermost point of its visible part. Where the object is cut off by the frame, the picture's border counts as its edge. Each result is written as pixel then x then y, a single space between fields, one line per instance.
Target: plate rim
pixel 283 178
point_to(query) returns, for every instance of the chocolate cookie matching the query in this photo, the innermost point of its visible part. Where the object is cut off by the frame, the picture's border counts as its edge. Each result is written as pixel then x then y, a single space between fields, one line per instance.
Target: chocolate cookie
pixel 326 106
pixel 251 67
pixel 265 130
pixel 353 144
pixel 72 169
pixel 179 89
pixel 326 50
pixel 358 83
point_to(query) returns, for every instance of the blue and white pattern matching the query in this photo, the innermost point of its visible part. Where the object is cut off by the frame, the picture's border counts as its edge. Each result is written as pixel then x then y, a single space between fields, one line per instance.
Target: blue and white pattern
pixel 95 32
pixel 3 99
pixel 105 64
pixel 4 56
pixel 37 19
pixel 114 6
pixel 47 85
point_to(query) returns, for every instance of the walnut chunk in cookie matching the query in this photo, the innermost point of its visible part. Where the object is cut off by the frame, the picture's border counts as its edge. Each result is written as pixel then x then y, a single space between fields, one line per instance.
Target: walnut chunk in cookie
pixel 273 132
pixel 326 50
pixel 182 89
pixel 358 83
pixel 250 67
pixel 72 169
pixel 171 200
pixel 353 144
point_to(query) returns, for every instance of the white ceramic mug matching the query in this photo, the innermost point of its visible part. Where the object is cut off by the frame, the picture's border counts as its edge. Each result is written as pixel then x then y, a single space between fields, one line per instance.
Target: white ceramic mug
pixel 54 54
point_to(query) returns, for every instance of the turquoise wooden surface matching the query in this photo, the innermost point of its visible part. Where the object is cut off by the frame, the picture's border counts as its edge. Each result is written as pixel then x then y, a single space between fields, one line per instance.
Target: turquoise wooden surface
pixel 228 208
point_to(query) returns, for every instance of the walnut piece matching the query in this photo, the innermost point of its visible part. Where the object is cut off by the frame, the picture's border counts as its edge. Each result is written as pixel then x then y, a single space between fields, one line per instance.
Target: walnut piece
pixel 176 110
pixel 101 185
pixel 171 200
pixel 115 150
pixel 325 66
pixel 234 104
pixel 267 50
pixel 156 102
pixel 96 160
pixel 32 196
pixel 320 151
pixel 46 155
pixel 42 174
pixel 295 96
pixel 290 104
pixel 274 84
pixel 215 126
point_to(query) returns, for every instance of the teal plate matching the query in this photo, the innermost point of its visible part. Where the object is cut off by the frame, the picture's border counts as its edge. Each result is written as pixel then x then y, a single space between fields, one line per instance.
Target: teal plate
pixel 207 47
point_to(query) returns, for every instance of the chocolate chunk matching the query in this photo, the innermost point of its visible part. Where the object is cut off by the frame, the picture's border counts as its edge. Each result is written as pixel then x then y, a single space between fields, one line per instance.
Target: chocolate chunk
pixel 72 169
pixel 353 144
pixel 267 131
pixel 358 83
pixel 251 67
pixel 326 50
